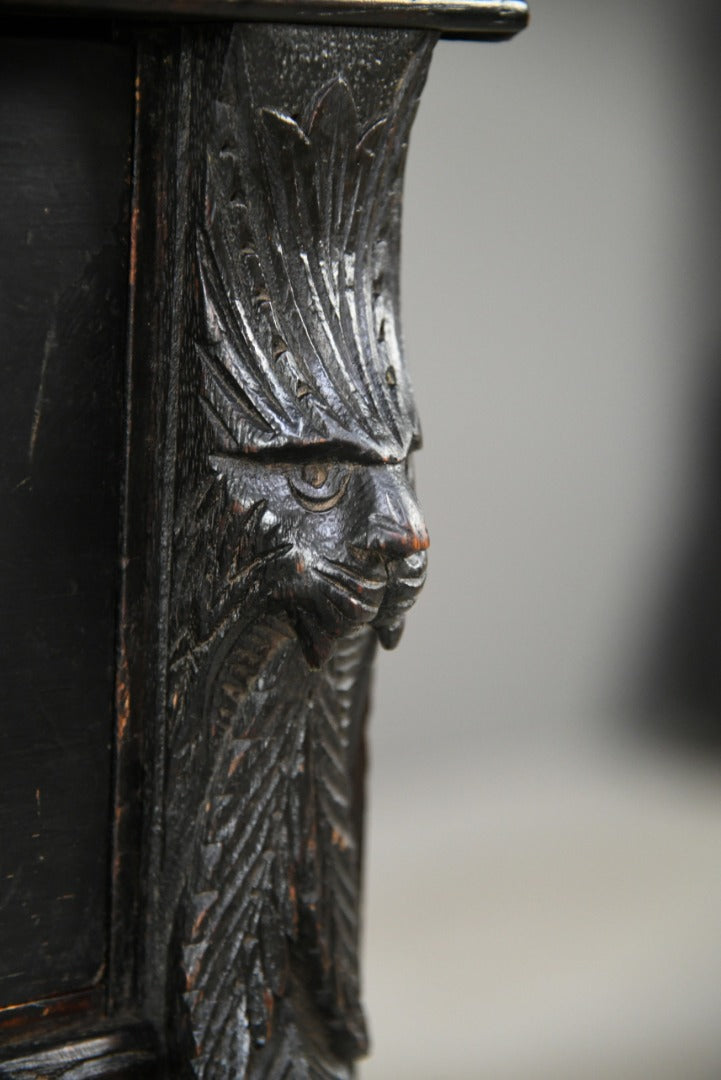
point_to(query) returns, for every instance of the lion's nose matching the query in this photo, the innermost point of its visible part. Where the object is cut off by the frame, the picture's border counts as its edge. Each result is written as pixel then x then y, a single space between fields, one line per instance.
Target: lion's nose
pixel 395 525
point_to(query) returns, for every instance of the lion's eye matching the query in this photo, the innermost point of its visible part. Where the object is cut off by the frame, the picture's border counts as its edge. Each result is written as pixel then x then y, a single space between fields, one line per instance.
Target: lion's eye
pixel 314 474
pixel 319 486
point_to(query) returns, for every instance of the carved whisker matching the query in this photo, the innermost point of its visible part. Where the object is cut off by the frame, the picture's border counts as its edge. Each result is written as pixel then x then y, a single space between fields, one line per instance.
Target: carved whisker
pixel 357 575
pixel 262 561
pixel 346 601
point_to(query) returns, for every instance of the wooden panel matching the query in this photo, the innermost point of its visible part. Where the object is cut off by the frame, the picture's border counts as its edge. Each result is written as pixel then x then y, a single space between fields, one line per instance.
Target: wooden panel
pixel 65 140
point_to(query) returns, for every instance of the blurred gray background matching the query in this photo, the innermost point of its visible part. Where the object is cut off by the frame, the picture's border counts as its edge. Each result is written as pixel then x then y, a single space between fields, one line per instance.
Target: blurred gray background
pixel 543 885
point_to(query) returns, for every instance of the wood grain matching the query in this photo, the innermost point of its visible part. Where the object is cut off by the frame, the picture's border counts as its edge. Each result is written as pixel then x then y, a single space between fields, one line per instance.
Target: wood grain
pixel 65 139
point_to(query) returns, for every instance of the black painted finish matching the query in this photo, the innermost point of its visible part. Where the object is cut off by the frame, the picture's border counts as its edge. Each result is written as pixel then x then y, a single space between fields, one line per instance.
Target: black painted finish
pixel 65 139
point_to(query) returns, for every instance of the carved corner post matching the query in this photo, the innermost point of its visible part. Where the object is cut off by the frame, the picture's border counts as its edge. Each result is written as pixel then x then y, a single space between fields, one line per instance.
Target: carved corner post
pixel 274 534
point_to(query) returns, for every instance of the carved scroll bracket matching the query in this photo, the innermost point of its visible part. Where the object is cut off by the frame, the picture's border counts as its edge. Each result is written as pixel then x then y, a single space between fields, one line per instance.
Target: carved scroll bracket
pixel 287 524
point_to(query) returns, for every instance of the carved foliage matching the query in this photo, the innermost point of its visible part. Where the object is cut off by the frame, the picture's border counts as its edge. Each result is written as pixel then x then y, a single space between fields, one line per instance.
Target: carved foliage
pixel 298 274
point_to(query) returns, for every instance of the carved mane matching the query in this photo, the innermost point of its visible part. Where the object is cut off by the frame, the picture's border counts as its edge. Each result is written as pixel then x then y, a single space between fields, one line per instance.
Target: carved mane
pixel 302 345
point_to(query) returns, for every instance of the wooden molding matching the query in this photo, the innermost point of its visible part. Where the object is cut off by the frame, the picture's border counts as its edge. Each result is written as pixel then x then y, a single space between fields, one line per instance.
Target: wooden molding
pixel 466 18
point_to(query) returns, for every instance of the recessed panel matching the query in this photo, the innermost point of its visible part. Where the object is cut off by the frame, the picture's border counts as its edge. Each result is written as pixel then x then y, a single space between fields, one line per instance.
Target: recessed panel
pixel 65 142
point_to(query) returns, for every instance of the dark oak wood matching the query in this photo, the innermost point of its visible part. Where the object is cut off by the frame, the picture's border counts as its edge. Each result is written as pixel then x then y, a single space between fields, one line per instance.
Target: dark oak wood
pixel 210 521
pixel 114 1055
pixel 65 132
pixel 285 531
pixel 483 19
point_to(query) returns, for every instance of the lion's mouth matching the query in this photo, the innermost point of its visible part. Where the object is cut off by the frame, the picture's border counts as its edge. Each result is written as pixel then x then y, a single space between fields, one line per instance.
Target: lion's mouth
pixel 357 592
pixel 375 593
pixel 380 593
pixel 405 579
